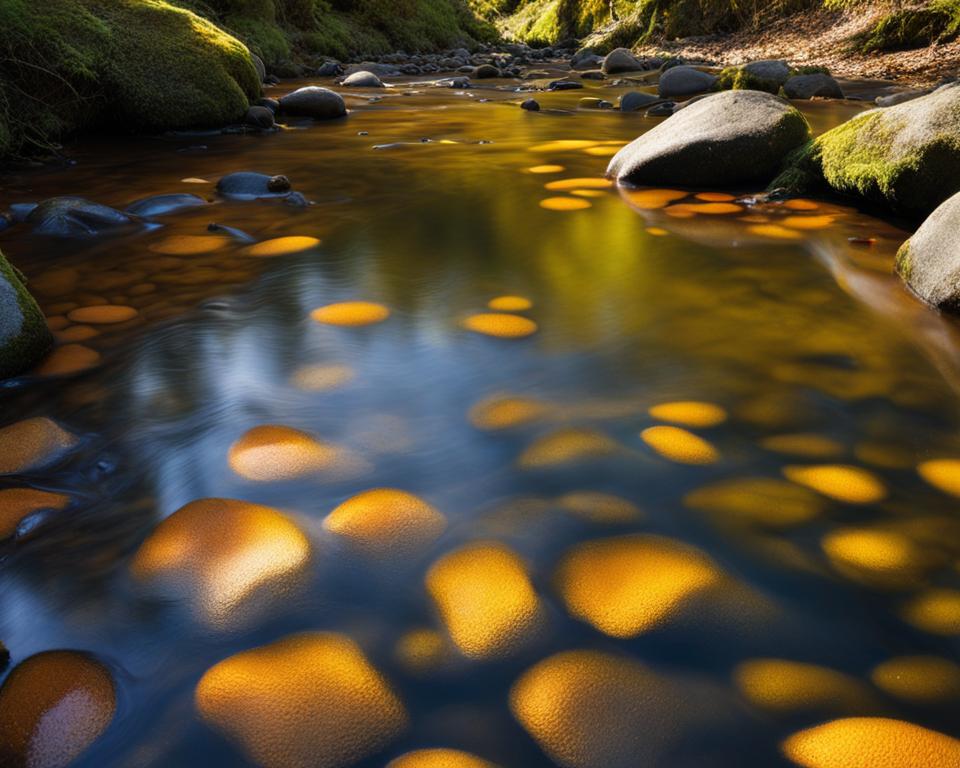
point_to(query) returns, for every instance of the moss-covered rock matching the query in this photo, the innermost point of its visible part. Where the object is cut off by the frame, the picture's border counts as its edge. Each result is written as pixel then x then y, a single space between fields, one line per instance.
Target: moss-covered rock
pixel 24 336
pixel 929 262
pixel 934 22
pixel 139 64
pixel 906 156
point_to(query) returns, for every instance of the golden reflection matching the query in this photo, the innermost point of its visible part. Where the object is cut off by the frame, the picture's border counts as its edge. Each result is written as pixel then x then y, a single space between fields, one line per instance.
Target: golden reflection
pixel 53 706
pixel 657 231
pixel 485 598
pixel 76 333
pixel 936 611
pixel 652 199
pixel 588 192
pixel 439 758
pixel 222 556
pixel 190 245
pixel 783 686
pixel 546 169
pixel 274 452
pixel 599 507
pixel 875 556
pixel 421 650
pixel 799 204
pixel 757 500
pixel 852 485
pixel 943 474
pixel 500 325
pixel 31 444
pixel 595 182
pixel 310 700
pixel 805 444
pixel 872 742
pixel 775 231
pixel 322 378
pixel 510 304
pixel 713 209
pixel 631 584
pixel 566 446
pixel 67 360
pixel 282 246
pixel 565 203
pixel 919 679
pixel 808 222
pixel 386 520
pixel 105 314
pixel 351 313
pixel 690 413
pixel 563 145
pixel 18 503
pixel 715 197
pixel 679 445
pixel 506 411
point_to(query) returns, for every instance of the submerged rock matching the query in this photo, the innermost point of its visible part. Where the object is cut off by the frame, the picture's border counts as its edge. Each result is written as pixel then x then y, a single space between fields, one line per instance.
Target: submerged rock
pixel 929 262
pixel 259 117
pixel 486 71
pixel 24 336
pixel 313 101
pixel 621 60
pixel 362 79
pixel 635 100
pixel 817 85
pixel 727 138
pixel 74 217
pixel 531 105
pixel 684 81
pixel 906 156
pixel 160 205
pixel 249 185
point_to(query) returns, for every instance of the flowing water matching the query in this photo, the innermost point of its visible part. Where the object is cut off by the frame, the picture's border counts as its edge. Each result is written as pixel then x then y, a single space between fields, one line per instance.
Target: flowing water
pixel 585 578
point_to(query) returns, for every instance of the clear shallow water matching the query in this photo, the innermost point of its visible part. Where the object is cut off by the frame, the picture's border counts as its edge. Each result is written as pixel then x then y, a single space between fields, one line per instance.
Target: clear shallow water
pixel 787 326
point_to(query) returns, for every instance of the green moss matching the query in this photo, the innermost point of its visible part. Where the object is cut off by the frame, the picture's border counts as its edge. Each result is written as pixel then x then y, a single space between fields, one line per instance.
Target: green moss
pixel 26 349
pixel 902 262
pixel 737 79
pixel 938 21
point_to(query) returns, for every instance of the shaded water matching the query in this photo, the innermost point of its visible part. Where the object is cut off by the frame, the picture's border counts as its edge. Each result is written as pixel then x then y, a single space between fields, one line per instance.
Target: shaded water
pixel 712 569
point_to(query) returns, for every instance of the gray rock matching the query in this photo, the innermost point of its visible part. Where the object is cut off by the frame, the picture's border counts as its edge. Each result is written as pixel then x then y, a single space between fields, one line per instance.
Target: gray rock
pixel 259 66
pixel 362 80
pixel 593 74
pixel 769 69
pixel 812 86
pixel 248 185
pixel 929 262
pixel 663 109
pixel 259 117
pixel 313 101
pixel 24 336
pixel 621 60
pixel 485 71
pixel 585 61
pixel 74 217
pixel 726 138
pixel 161 205
pixel 564 85
pixel 634 100
pixel 329 69
pixel 684 81
pixel 898 98
pixel 531 105
pixel 272 104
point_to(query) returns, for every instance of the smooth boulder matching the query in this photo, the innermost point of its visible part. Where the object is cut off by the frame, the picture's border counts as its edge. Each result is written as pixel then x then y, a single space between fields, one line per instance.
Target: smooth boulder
pixel 24 336
pixel 727 138
pixel 621 60
pixel 813 86
pixel 248 185
pixel 634 100
pixel 906 156
pixel 684 81
pixel 486 71
pixel 768 69
pixel 929 262
pixel 313 101
pixel 362 79
pixel 74 217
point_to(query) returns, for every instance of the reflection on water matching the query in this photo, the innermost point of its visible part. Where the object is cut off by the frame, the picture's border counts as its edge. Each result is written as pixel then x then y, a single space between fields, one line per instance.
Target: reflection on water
pixel 477 461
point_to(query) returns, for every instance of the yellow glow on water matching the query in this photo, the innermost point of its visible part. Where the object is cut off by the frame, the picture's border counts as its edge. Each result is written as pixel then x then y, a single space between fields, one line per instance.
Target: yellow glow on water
pixel 311 699
pixel 563 145
pixel 628 585
pixel 439 758
pixel 936 611
pixel 799 204
pixel 105 314
pixel 53 706
pixel 385 519
pixel 282 246
pixel 274 452
pixel 351 313
pixel 190 245
pixel 500 325
pixel 602 151
pixel 690 413
pixel 599 507
pixel 679 445
pixel 715 197
pixel 322 378
pixel 219 555
pixel 657 231
pixel 783 686
pixel 872 742
pixel 775 231
pixel 712 209
pixel 919 679
pixel 546 169
pixel 852 485
pixel 806 444
pixel 590 182
pixel 875 555
pixel 506 411
pixel 32 443
pixel 565 203
pixel 808 222
pixel 76 333
pixel 485 598
pixel 652 199
pixel 18 503
pixel 510 304
pixel 421 650
pixel 943 474
pixel 757 500
pixel 566 446
pixel 67 360
pixel 587 192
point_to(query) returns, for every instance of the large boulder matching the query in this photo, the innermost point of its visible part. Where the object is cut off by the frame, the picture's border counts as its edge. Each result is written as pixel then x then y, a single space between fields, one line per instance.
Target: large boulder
pixel 74 217
pixel 929 262
pixel 684 81
pixel 621 60
pixel 906 156
pixel 817 85
pixel 313 101
pixel 24 336
pixel 724 139
pixel 362 79
pixel 768 69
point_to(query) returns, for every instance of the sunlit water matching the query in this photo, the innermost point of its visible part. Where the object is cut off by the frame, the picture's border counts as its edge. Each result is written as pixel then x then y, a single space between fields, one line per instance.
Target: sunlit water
pixel 579 580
